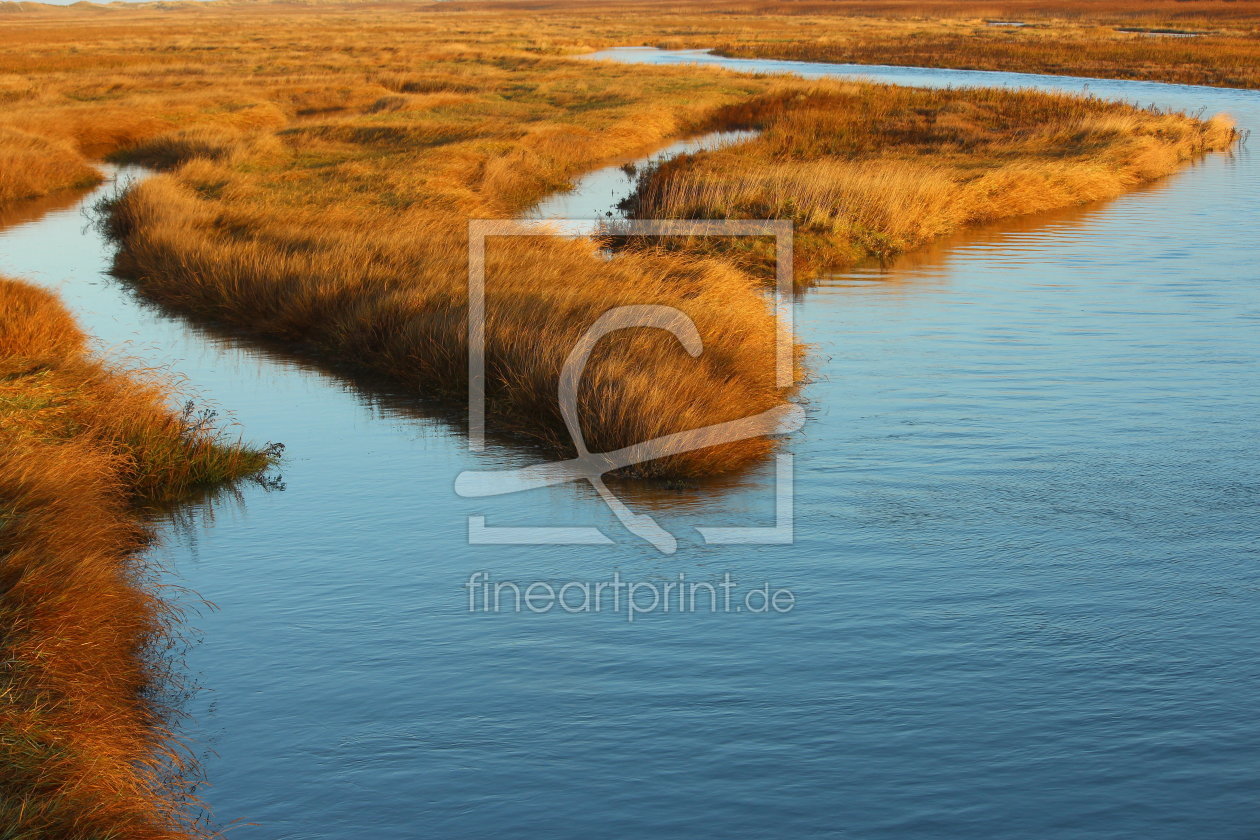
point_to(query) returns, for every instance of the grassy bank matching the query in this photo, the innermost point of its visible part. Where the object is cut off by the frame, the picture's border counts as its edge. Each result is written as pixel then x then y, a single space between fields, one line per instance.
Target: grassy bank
pixel 32 165
pixel 1213 58
pixel 84 752
pixel 875 170
pixel 319 176
pixel 393 299
pixel 1205 42
pixel 861 168
pixel 1201 43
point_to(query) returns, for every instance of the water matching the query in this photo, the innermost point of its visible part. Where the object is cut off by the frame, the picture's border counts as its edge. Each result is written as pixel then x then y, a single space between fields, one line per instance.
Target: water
pixel 1025 565
pixel 595 196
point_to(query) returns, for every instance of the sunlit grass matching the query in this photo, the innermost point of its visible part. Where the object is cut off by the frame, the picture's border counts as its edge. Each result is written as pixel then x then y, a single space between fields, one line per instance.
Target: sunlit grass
pixel 320 164
pixel 321 196
pixel 32 165
pixel 84 752
pixel 874 170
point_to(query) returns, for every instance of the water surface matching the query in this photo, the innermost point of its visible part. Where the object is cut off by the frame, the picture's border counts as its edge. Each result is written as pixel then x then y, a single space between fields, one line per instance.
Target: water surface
pixel 597 194
pixel 1025 563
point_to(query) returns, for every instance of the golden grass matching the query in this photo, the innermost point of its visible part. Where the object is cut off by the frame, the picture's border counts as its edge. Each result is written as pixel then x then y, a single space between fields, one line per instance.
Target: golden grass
pixel 1215 57
pixel 320 195
pixel 1146 12
pixel 874 170
pixel 1206 42
pixel 346 228
pixel 1122 39
pixel 84 752
pixel 31 166
pixel 394 300
pixel 321 163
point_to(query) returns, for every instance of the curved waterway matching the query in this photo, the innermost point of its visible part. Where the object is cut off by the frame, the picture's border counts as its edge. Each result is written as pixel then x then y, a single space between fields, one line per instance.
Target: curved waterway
pixel 1025 570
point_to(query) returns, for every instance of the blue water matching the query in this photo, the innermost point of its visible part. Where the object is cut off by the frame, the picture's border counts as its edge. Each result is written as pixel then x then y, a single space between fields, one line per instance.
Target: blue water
pixel 1025 568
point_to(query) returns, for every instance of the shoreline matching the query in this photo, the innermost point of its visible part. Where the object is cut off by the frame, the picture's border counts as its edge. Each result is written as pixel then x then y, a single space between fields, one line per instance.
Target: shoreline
pixel 85 447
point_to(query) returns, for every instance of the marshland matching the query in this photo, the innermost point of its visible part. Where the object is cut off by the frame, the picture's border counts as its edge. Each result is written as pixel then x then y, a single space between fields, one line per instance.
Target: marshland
pixel 86 446
pixel 1025 334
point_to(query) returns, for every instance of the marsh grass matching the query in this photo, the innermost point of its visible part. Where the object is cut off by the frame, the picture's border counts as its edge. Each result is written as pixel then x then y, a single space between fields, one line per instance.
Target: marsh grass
pixel 868 170
pixel 84 747
pixel 320 197
pixel 31 166
pixel 320 163
pixel 395 301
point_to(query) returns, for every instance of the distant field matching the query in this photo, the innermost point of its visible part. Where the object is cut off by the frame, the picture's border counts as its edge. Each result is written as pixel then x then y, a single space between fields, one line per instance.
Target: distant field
pixel 1201 42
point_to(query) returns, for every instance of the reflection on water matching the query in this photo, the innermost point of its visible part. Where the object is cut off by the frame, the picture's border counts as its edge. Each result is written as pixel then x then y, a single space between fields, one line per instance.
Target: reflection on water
pixel 1025 564
pixel 1160 33
pixel 938 258
pixel 13 214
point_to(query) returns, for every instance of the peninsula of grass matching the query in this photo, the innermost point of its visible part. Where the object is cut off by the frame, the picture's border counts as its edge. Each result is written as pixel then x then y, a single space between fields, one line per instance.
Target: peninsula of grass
pixel 85 448
pixel 319 176
pixel 866 170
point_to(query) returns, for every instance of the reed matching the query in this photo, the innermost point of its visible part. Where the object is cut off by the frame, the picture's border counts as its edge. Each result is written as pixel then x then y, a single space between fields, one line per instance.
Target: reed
pixel 31 166
pixel 85 752
pixel 320 163
pixel 320 197
pixel 875 170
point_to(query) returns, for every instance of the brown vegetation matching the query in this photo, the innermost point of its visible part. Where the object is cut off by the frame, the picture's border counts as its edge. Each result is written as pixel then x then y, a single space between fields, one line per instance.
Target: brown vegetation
pixel 1204 42
pixel 393 298
pixel 321 163
pixel 321 173
pixel 345 230
pixel 84 752
pixel 1212 56
pixel 873 170
pixel 31 165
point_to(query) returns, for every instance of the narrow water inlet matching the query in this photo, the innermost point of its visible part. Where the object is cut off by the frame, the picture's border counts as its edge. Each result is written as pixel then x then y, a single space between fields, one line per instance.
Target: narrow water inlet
pixel 597 195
